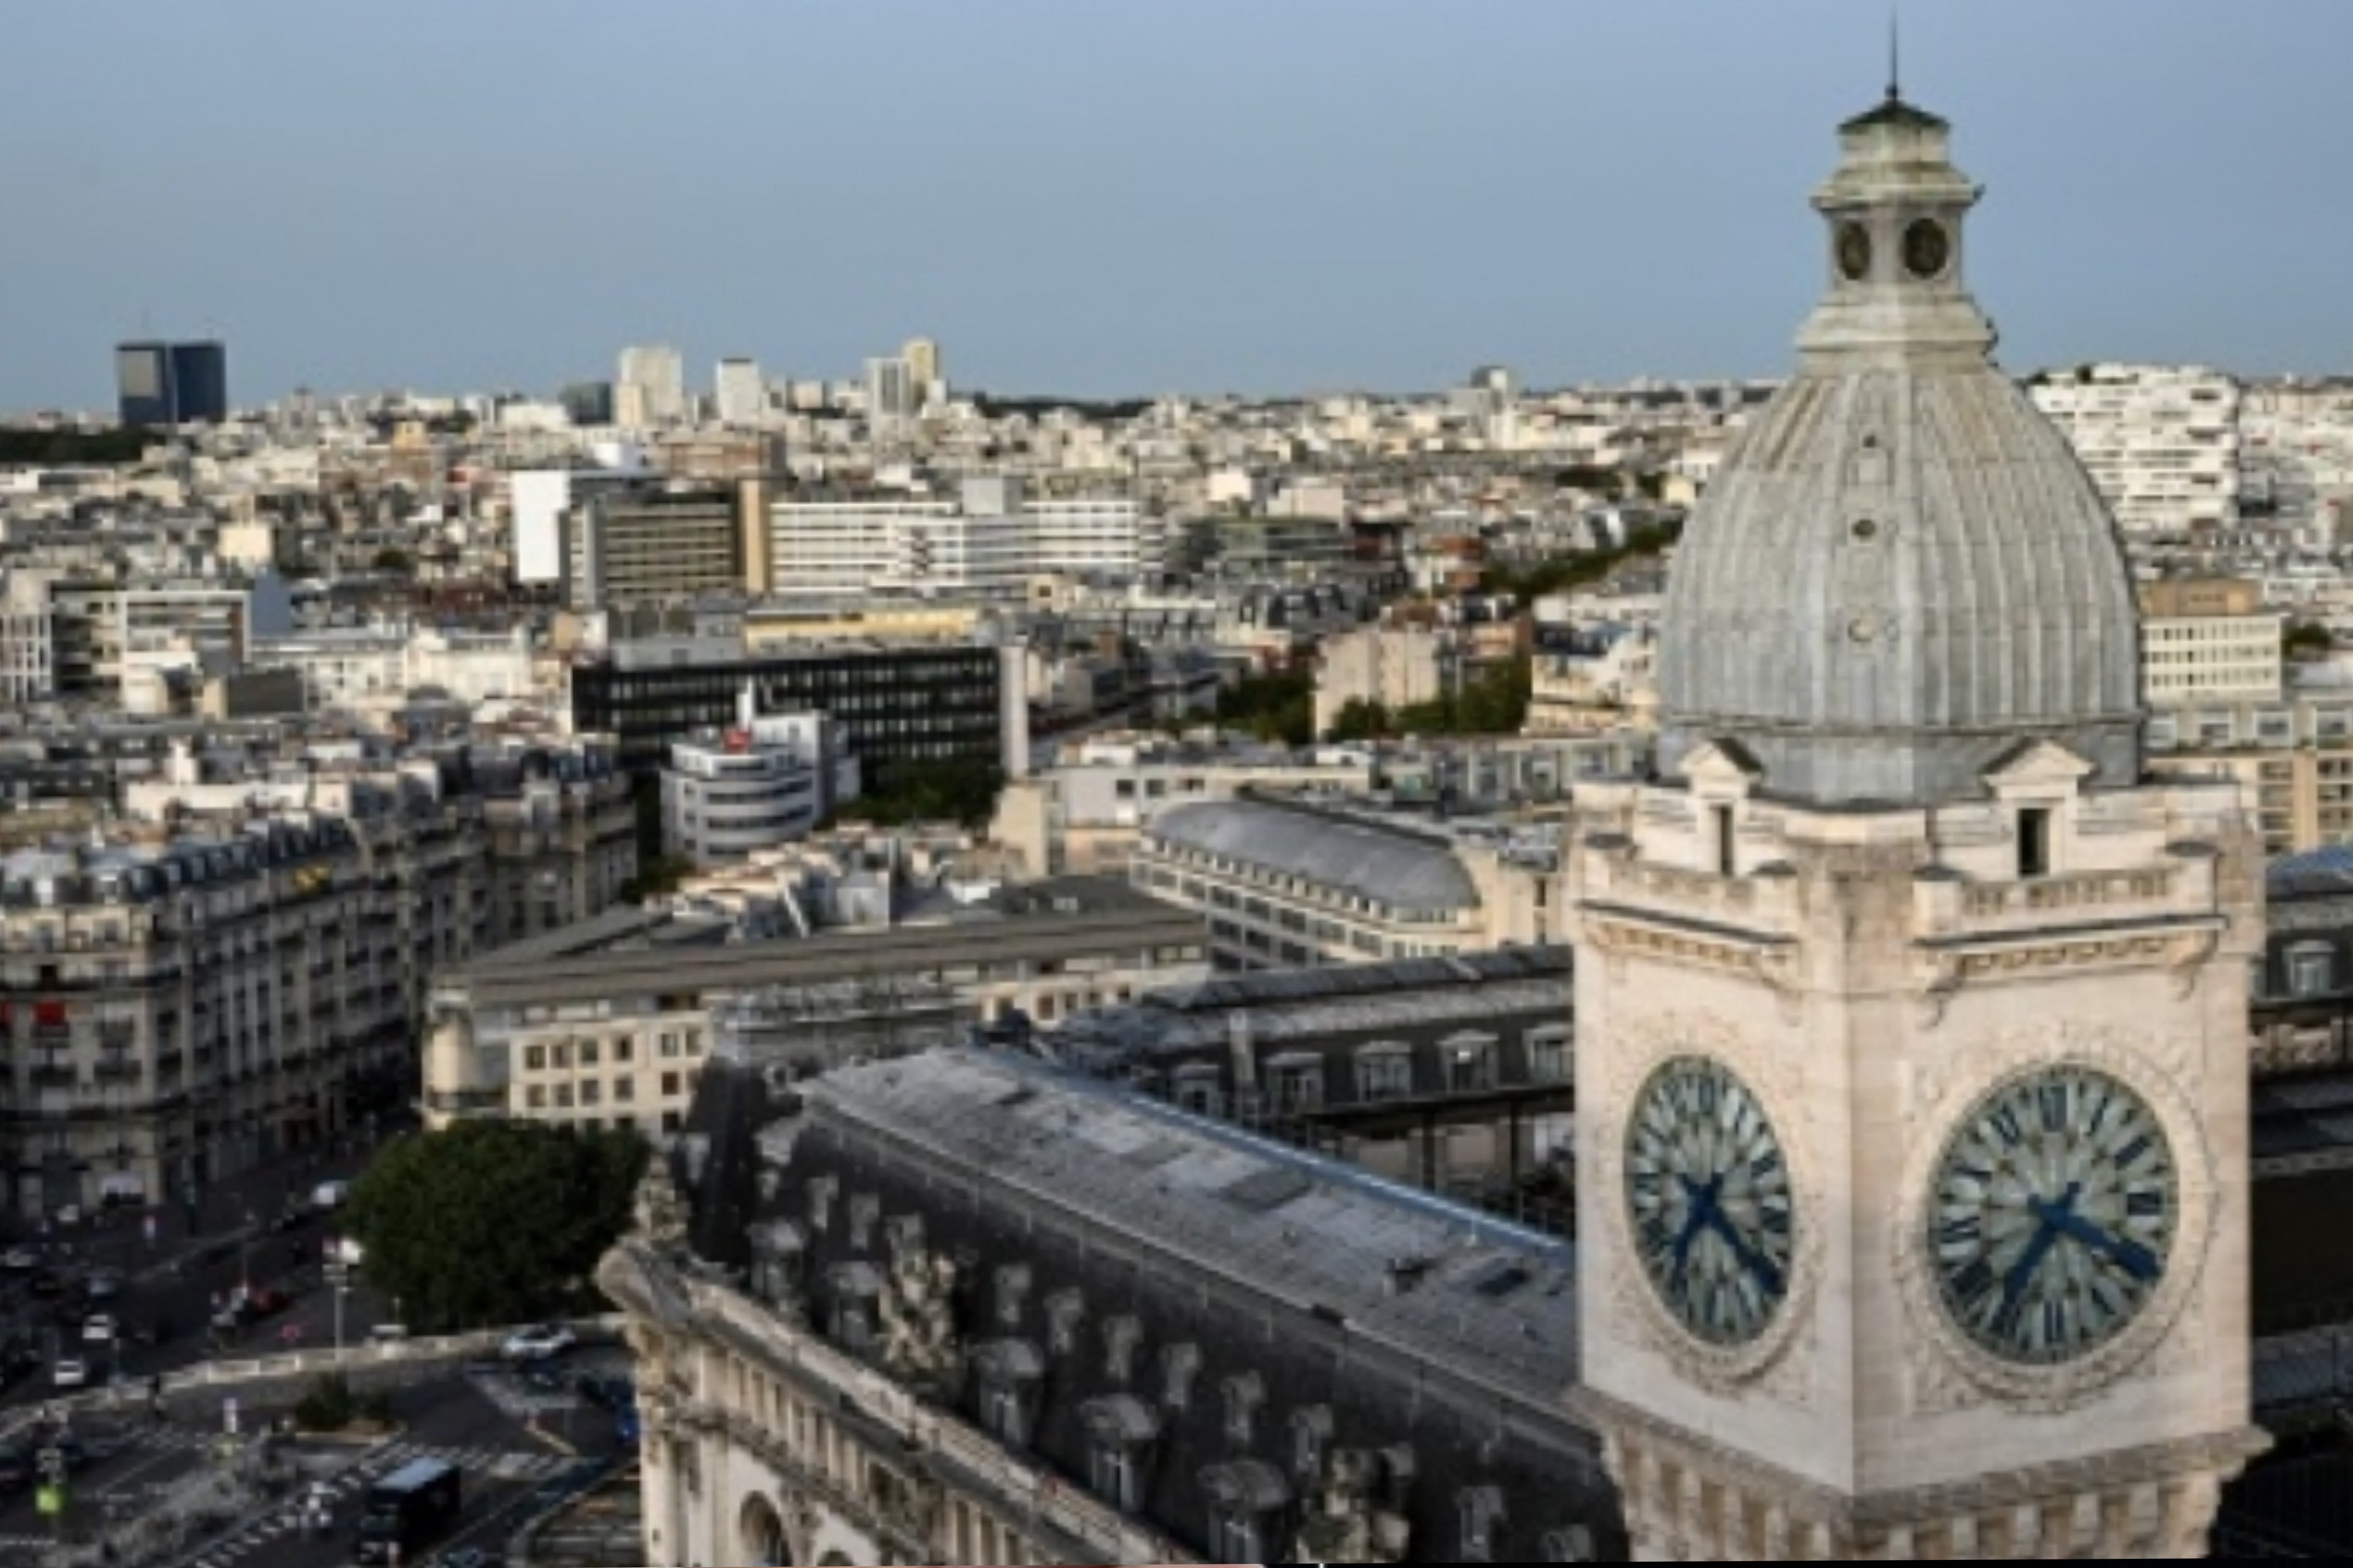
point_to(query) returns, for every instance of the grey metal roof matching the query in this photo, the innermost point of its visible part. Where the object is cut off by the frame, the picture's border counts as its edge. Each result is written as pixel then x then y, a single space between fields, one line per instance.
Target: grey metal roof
pixel 1904 569
pixel 1313 1004
pixel 2315 875
pixel 1484 1299
pixel 1403 870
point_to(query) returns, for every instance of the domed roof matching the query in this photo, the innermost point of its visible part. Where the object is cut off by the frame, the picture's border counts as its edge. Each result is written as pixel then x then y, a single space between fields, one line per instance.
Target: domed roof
pixel 1903 571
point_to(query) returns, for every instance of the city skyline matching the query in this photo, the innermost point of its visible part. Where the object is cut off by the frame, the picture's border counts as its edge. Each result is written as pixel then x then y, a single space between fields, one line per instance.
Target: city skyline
pixel 1374 197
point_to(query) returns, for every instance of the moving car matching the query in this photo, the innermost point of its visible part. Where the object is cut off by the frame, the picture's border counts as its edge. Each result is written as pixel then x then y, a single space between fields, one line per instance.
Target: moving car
pixel 20 1259
pixel 97 1329
pixel 70 1372
pixel 540 1341
pixel 103 1285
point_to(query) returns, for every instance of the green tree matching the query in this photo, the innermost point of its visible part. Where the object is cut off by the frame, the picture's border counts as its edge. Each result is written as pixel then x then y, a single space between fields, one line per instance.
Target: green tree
pixel 1278 705
pixel 960 790
pixel 494 1222
pixel 2306 640
pixel 1360 719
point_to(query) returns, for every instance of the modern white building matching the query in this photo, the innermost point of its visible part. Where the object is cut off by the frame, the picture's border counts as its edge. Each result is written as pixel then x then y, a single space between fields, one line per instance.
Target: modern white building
pixel 651 387
pixel 2208 640
pixel 726 795
pixel 2161 442
pixel 893 397
pixel 993 538
pixel 540 499
pixel 27 640
pixel 742 393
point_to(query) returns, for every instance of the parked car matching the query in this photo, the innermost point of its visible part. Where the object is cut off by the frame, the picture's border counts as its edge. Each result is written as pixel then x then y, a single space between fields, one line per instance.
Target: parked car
pixel 20 1259
pixel 103 1285
pixel 541 1342
pixel 330 1195
pixel 70 1372
pixel 97 1329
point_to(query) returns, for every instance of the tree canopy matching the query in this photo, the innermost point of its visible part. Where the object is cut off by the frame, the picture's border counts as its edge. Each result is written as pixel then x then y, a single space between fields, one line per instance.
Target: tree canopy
pixel 1278 705
pixel 494 1222
pixel 1564 572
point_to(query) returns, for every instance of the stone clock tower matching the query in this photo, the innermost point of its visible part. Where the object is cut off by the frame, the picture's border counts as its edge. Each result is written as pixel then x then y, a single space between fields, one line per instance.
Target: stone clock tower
pixel 1912 1047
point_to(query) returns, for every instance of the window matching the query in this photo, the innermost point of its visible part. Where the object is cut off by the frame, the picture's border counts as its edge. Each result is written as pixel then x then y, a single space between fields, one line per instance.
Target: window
pixel 534 1058
pixel 1470 1063
pixel 1002 1413
pixel 1727 842
pixel 625 1088
pixel 2312 970
pixel 624 1050
pixel 669 1084
pixel 1112 1472
pixel 1311 1433
pixel 589 1055
pixel 1480 1512
pixel 1574 1545
pixel 1199 1090
pixel 2033 842
pixel 1548 1060
pixel 1385 1072
pixel 1295 1083
pixel 1244 1394
pixel 1234 1533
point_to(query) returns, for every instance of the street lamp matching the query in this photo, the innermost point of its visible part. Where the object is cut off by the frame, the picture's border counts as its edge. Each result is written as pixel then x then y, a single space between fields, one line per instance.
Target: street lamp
pixel 339 1276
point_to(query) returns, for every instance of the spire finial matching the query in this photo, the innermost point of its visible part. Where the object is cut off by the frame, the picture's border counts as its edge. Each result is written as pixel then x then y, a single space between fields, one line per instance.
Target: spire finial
pixel 1895 54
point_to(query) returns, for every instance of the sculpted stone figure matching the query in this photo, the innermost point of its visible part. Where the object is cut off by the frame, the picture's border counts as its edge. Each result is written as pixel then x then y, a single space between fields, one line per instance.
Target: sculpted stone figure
pixel 1343 1523
pixel 919 1345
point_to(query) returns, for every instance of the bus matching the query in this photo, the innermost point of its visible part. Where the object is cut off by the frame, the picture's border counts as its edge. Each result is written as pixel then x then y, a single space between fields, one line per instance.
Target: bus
pixel 407 1510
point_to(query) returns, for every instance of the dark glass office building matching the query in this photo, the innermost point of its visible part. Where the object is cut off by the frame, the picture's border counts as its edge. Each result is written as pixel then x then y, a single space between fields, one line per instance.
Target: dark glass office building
pixel 172 383
pixel 896 706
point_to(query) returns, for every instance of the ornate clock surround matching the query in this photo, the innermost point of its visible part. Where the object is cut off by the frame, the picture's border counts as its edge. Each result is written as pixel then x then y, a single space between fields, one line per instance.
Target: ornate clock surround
pixel 1781 1354
pixel 1949 1368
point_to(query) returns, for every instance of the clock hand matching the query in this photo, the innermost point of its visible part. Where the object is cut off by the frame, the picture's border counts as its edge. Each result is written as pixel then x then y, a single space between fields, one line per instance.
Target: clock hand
pixel 1702 1200
pixel 2132 1258
pixel 2031 1261
pixel 1757 1264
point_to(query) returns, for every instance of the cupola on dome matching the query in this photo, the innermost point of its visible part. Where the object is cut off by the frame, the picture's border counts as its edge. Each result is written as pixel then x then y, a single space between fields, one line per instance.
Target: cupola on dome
pixel 1903 572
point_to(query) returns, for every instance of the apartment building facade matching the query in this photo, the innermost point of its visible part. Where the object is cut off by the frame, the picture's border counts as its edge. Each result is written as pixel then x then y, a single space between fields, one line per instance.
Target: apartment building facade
pixel 2162 443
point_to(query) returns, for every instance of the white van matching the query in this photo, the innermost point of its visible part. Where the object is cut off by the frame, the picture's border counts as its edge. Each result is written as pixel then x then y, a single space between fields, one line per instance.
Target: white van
pixel 330 1195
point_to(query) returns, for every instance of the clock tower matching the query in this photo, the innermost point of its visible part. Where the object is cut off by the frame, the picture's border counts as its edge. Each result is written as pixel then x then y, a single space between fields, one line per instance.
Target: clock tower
pixel 1911 1066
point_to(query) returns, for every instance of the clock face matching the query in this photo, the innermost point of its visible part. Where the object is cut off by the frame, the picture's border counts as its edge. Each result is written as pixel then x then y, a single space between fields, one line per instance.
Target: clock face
pixel 2052 1216
pixel 1854 251
pixel 1708 1186
pixel 1927 249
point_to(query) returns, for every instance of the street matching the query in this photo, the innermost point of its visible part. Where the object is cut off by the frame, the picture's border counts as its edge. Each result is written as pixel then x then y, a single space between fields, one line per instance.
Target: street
pixel 174 1283
pixel 516 1445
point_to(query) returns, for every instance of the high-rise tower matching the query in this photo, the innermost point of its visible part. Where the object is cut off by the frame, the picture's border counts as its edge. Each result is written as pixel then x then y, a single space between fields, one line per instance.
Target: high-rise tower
pixel 1912 1077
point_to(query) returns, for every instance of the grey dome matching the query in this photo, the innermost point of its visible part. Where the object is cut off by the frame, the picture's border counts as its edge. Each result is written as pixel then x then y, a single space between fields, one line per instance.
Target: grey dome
pixel 1903 572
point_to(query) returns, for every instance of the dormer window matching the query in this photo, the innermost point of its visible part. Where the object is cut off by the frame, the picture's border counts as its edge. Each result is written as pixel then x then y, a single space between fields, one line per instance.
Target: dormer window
pixel 1246 1499
pixel 1179 1365
pixel 1244 1394
pixel 1480 1513
pixel 2033 842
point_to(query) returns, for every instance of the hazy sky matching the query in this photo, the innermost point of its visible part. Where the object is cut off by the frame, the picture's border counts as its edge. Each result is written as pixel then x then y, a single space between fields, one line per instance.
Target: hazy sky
pixel 1132 196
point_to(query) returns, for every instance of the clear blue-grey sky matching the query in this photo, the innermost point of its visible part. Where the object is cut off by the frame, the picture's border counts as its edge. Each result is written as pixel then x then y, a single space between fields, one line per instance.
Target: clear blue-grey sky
pixel 1108 196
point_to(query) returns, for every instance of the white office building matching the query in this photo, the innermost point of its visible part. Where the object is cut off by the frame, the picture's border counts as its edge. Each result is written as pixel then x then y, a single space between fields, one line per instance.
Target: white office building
pixel 650 389
pixel 993 538
pixel 2162 443
pixel 727 794
pixel 742 393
